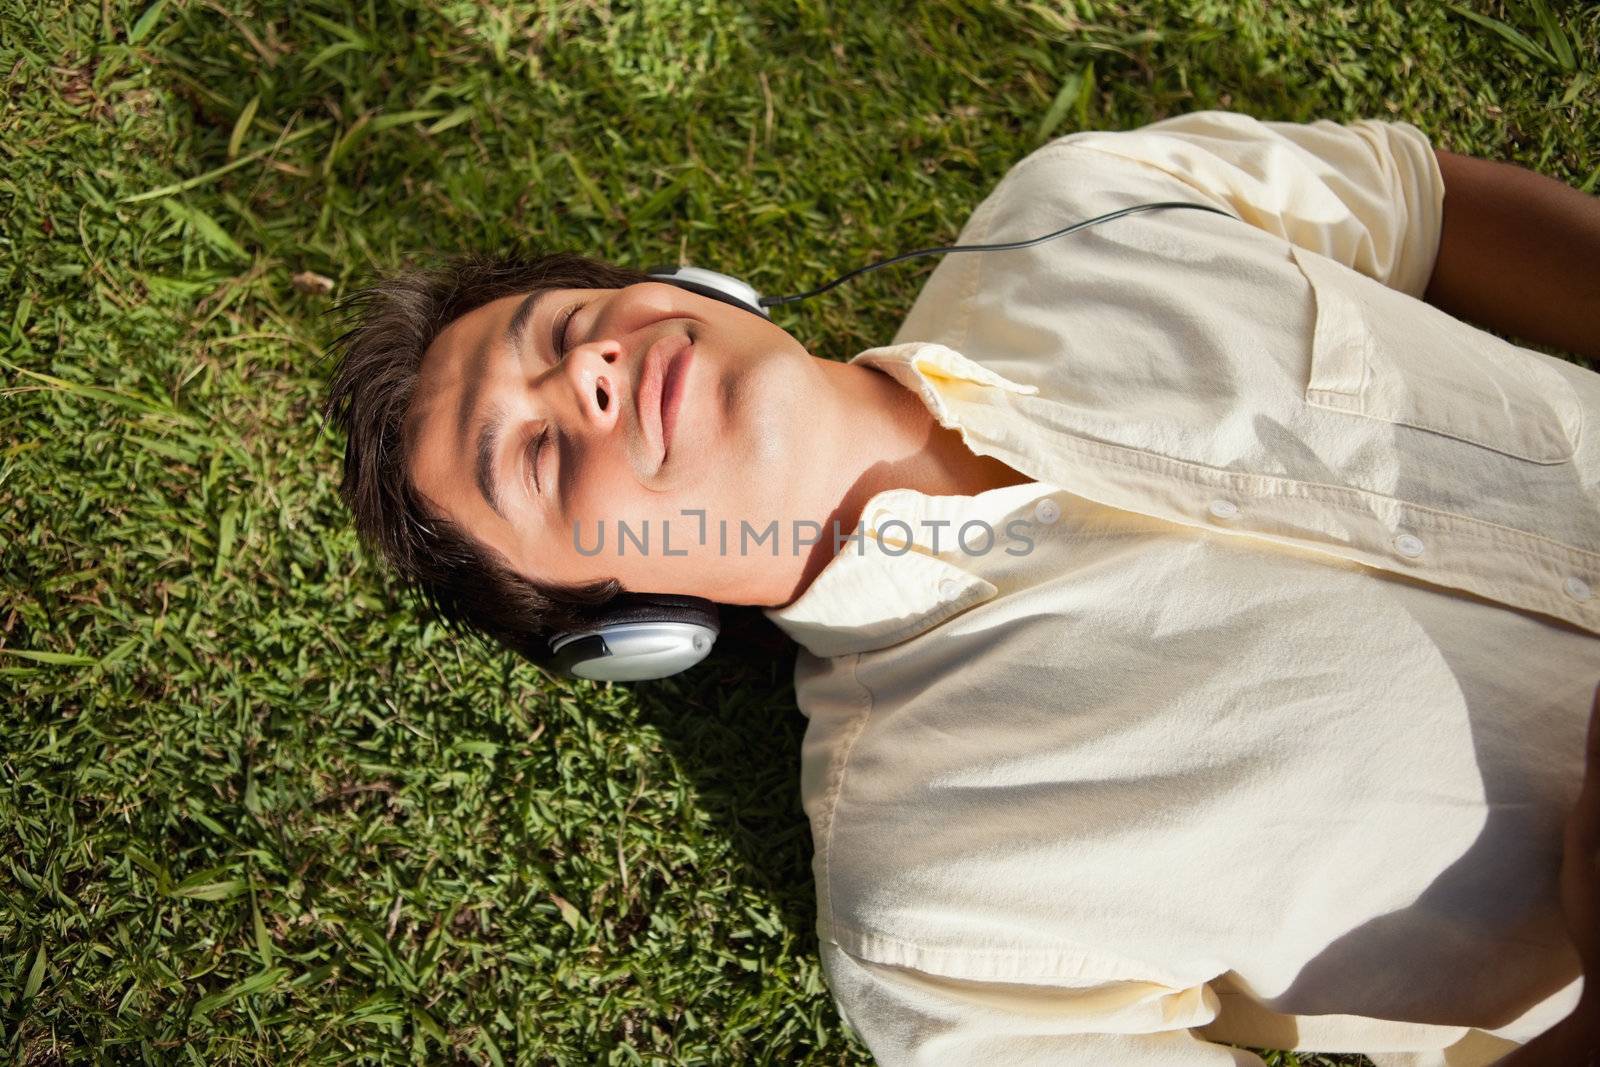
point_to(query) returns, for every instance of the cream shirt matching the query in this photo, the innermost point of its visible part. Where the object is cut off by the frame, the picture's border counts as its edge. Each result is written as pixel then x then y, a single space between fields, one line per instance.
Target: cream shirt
pixel 1269 737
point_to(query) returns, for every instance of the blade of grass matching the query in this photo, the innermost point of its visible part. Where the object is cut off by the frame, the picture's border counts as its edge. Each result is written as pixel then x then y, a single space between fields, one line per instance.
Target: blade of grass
pixel 1555 35
pixel 212 175
pixel 1516 39
pixel 242 126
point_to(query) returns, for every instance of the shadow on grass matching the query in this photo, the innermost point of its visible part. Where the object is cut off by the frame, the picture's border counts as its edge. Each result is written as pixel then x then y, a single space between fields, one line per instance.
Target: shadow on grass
pixel 732 724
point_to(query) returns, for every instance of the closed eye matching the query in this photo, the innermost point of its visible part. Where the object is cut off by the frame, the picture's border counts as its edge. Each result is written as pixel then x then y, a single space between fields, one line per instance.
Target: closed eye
pixel 563 322
pixel 534 449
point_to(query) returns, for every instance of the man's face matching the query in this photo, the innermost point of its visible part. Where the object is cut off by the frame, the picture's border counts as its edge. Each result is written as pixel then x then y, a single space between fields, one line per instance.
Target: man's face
pixel 664 400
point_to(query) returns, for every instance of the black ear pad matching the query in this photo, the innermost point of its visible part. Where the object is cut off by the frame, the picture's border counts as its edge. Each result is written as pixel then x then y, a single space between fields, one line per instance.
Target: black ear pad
pixel 655 607
pixel 645 607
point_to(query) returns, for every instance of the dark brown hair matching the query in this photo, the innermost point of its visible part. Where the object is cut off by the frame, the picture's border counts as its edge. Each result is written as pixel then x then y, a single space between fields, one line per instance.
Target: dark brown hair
pixel 388 327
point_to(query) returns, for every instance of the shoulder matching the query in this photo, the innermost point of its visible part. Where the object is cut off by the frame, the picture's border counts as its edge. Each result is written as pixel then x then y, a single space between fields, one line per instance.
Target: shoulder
pixel 1157 147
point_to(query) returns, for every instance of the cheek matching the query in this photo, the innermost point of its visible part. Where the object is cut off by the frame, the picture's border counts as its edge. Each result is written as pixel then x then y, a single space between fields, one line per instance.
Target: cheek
pixel 607 489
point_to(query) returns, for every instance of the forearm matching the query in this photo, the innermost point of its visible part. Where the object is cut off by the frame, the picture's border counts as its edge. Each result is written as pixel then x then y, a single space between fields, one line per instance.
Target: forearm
pixel 1519 254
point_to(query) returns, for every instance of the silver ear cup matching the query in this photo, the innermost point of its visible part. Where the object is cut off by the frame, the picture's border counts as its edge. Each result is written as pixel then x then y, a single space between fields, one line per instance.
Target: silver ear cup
pixel 717 286
pixel 638 637
pixel 634 652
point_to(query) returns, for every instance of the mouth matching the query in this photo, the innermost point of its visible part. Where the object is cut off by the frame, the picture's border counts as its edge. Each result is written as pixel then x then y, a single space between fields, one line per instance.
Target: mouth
pixel 672 390
pixel 660 389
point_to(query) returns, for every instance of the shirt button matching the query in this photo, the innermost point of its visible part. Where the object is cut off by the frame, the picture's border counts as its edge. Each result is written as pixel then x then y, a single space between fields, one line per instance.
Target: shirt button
pixel 949 588
pixel 1408 545
pixel 1578 589
pixel 879 517
pixel 1047 511
pixel 1223 509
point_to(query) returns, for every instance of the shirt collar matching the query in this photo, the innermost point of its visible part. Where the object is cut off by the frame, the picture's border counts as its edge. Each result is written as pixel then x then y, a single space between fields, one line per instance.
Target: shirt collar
pixel 935 373
pixel 884 587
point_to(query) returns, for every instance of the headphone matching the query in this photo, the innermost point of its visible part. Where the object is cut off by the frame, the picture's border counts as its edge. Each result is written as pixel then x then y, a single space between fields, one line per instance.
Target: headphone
pixel 646 636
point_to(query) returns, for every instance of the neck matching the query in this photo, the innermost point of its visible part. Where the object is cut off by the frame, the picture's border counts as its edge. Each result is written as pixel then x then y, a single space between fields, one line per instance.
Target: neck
pixel 884 437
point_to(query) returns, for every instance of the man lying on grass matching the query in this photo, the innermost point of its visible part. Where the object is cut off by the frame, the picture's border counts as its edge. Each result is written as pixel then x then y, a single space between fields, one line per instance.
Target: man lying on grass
pixel 1212 661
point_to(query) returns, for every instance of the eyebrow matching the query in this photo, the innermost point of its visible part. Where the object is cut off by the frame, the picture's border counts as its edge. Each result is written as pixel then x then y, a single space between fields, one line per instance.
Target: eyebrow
pixel 489 434
pixel 519 320
pixel 483 470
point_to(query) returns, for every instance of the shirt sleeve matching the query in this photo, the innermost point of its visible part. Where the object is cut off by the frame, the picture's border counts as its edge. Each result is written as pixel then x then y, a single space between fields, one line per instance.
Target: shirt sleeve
pixel 909 1018
pixel 1368 193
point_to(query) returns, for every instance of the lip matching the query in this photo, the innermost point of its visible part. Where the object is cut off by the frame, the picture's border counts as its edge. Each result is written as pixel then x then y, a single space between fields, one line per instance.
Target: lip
pixel 672 390
pixel 648 397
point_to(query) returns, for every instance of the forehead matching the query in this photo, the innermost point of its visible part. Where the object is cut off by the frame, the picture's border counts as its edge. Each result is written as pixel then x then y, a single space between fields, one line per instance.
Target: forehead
pixel 460 366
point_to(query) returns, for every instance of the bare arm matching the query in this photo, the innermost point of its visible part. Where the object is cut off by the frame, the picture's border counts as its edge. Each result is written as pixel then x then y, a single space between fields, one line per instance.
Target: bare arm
pixel 1519 254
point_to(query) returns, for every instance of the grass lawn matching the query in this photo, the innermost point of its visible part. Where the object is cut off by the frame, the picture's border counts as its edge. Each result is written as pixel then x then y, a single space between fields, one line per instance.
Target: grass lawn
pixel 251 809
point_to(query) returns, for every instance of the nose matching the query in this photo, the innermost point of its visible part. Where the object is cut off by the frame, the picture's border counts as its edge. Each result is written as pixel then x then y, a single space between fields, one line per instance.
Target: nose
pixel 595 373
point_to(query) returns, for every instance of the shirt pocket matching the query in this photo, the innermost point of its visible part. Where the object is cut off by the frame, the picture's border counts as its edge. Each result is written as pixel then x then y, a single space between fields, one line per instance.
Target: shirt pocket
pixel 1382 354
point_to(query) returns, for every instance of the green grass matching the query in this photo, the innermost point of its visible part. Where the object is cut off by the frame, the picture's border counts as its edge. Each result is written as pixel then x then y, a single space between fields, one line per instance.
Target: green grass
pixel 251 810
